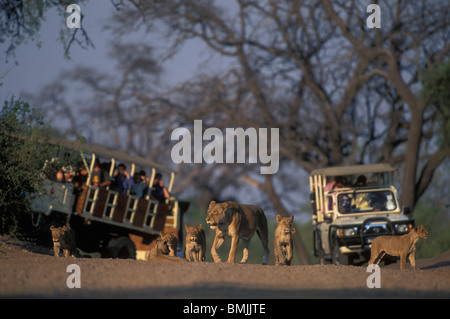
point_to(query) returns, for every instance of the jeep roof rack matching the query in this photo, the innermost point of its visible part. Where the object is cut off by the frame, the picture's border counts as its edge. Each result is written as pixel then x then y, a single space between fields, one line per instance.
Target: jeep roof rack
pixel 353 170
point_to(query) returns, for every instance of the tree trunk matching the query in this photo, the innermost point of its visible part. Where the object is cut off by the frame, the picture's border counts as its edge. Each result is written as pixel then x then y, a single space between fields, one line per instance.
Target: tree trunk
pixel 408 196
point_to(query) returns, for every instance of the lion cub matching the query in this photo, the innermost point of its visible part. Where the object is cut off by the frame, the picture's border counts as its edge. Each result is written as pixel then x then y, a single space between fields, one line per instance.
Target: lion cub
pixel 63 238
pixel 283 241
pixel 398 246
pixel 195 243
pixel 171 241
pixel 162 250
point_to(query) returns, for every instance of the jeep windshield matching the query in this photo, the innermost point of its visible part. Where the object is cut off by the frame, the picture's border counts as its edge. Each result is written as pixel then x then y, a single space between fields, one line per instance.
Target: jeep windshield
pixel 366 202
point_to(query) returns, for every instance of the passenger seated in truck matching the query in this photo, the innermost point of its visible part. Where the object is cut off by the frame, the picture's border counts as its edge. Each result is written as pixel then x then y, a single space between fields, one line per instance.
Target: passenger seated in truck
pixel 80 189
pixel 337 182
pixel 139 186
pixel 122 180
pixel 60 176
pixel 159 192
pixel 361 181
pixel 100 177
pixel 344 204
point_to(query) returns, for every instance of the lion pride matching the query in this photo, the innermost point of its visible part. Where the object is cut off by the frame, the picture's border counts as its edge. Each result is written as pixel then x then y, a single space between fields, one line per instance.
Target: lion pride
pixel 238 222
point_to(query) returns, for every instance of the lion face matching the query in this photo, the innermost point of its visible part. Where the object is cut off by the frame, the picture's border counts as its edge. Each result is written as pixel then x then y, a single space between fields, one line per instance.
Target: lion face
pixel 215 216
pixel 165 242
pixel 163 246
pixel 286 224
pixel 58 233
pixel 193 233
pixel 421 231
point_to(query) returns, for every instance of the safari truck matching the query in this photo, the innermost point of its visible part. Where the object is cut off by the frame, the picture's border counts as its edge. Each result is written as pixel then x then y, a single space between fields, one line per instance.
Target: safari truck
pixel 352 205
pixel 107 222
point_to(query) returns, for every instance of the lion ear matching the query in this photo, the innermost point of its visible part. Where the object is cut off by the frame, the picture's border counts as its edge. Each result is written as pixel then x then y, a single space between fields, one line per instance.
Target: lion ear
pixel 200 226
pixel 211 204
pixel 279 218
pixel 291 218
pixel 161 233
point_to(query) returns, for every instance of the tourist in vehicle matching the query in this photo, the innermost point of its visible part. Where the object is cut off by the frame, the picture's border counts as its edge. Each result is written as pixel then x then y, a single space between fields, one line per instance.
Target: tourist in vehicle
pixel 361 181
pixel 60 176
pixel 122 179
pixel 80 189
pixel 159 192
pixel 139 185
pixel 338 182
pixel 100 177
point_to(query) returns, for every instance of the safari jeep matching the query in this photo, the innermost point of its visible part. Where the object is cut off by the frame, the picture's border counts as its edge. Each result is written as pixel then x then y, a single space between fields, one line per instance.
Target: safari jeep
pixel 351 206
pixel 106 222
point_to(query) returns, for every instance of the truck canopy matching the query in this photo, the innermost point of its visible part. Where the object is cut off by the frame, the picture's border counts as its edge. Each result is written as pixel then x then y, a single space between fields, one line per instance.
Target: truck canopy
pixel 104 152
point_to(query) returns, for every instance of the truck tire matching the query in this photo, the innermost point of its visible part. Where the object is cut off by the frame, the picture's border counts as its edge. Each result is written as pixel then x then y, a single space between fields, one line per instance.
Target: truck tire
pixel 338 258
pixel 318 250
pixel 121 247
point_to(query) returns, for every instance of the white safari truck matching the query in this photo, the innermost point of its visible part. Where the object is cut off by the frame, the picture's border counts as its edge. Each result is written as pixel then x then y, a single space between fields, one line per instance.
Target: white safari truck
pixel 351 206
pixel 106 221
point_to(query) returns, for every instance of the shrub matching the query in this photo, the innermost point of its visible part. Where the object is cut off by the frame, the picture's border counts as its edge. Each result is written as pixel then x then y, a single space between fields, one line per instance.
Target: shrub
pixel 22 157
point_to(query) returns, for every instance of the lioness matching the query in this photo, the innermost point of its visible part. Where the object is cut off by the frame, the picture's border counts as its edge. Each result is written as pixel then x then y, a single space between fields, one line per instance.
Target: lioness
pixel 63 239
pixel 398 246
pixel 195 243
pixel 237 221
pixel 162 250
pixel 283 246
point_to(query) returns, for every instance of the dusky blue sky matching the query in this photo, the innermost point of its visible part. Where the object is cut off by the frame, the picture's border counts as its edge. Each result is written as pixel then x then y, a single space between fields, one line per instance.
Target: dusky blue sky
pixel 34 66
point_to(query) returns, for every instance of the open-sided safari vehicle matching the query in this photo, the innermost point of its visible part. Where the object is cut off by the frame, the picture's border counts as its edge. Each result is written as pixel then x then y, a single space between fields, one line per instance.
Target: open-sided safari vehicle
pixel 351 206
pixel 114 223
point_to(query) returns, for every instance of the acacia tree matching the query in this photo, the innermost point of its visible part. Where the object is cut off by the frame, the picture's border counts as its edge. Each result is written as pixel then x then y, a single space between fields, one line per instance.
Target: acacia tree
pixel 415 36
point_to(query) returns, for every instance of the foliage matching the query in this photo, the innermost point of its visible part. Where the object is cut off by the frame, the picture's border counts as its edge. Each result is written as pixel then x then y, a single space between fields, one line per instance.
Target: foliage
pixel 22 158
pixel 21 20
pixel 436 220
pixel 436 90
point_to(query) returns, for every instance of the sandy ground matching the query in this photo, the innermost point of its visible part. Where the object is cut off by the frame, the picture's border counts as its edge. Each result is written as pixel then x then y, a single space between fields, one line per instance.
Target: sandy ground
pixel 29 271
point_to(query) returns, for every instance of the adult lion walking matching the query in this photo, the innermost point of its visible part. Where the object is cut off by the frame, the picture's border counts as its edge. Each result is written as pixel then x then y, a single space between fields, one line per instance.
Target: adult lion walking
pixel 238 222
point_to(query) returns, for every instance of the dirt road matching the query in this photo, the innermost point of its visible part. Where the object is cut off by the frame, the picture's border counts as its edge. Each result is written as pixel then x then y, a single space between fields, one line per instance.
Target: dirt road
pixel 29 271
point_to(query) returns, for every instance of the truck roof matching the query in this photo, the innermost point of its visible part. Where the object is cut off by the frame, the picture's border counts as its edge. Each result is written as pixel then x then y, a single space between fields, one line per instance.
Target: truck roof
pixel 353 170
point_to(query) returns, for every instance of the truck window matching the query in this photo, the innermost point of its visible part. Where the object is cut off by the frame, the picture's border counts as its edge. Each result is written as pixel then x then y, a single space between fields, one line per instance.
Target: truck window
pixel 366 202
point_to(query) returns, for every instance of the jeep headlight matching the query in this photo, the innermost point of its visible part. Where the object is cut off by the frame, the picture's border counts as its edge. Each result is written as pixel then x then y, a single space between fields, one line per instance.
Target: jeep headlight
pixel 341 232
pixel 351 231
pixel 404 228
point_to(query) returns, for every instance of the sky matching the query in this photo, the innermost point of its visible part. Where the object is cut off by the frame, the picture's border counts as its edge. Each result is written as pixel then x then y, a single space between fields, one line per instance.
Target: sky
pixel 34 66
